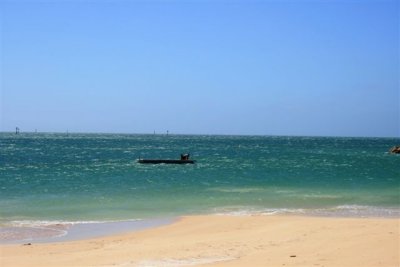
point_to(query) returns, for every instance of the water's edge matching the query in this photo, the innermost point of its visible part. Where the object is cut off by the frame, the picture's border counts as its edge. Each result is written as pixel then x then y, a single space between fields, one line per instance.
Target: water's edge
pixel 64 232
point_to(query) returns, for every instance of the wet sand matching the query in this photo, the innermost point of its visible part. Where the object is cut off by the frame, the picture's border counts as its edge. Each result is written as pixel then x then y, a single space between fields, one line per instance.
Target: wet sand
pixel 228 241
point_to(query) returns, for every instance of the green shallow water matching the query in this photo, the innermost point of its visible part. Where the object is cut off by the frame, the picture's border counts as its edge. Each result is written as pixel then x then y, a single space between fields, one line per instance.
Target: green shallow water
pixel 95 177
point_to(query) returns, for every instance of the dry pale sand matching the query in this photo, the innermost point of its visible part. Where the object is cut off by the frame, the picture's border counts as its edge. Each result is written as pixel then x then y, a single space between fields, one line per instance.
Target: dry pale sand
pixel 228 241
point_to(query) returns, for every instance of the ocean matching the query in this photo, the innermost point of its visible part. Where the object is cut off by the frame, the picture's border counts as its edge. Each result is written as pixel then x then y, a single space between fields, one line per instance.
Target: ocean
pixel 66 179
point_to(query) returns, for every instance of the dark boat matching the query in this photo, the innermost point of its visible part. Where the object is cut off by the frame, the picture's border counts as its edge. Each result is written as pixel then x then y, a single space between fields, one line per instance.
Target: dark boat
pixel 184 160
pixel 166 161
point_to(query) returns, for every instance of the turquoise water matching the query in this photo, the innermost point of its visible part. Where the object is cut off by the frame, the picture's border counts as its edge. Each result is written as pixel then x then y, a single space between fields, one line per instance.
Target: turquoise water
pixel 95 177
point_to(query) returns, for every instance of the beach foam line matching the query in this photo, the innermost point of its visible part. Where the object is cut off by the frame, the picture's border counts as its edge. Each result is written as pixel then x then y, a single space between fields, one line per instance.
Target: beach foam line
pixel 360 211
pixel 335 211
pixel 253 212
pixel 41 223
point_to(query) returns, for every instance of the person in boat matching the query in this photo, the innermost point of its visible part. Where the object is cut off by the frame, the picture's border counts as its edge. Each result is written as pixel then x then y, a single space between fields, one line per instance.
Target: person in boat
pixel 185 156
pixel 395 150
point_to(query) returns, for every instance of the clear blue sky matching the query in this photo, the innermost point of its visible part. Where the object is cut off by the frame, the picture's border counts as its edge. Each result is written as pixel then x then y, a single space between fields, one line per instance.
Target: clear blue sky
pixel 328 68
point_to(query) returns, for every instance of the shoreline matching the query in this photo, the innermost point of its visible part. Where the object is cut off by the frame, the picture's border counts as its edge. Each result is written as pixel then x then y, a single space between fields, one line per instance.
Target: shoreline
pixel 20 232
pixel 227 240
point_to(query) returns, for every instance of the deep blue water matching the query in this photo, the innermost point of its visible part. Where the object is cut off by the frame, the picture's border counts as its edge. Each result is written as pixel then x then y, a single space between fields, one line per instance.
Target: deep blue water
pixel 95 177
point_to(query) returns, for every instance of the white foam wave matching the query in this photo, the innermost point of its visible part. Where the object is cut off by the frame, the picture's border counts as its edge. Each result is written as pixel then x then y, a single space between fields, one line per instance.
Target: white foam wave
pixel 336 211
pixel 44 223
pixel 236 190
pixel 320 196
pixel 254 211
pixel 359 211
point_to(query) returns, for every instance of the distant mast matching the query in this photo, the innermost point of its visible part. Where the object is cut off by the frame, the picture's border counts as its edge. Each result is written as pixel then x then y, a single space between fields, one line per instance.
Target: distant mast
pixel 16 130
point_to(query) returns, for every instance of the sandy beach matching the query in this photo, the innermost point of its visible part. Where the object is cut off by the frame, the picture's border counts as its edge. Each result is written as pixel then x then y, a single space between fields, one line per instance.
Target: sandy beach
pixel 228 241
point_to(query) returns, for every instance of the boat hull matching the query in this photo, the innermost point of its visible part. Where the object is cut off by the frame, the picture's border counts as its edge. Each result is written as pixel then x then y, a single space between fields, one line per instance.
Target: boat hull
pixel 165 161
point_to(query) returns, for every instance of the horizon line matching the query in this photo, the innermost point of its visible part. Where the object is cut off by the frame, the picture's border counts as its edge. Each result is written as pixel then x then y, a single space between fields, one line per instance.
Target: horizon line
pixel 168 133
